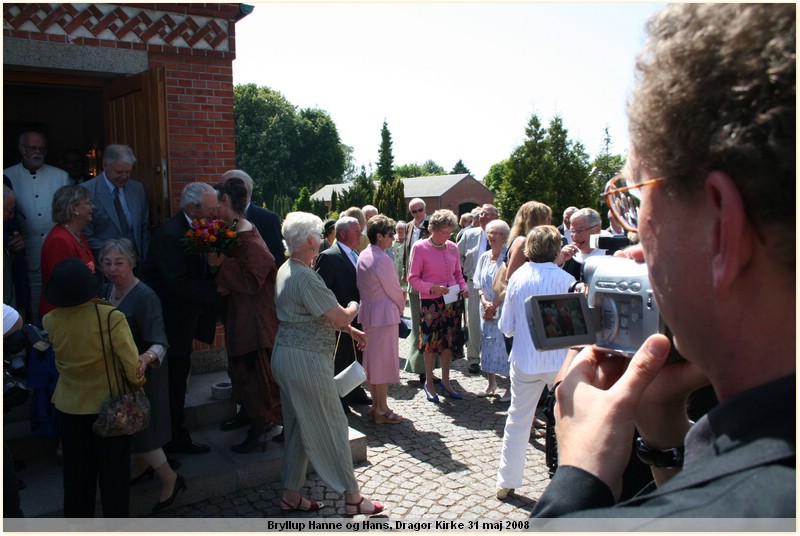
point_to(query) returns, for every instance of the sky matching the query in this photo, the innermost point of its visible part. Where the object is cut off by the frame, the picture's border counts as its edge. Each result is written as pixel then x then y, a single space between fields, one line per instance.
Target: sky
pixel 453 81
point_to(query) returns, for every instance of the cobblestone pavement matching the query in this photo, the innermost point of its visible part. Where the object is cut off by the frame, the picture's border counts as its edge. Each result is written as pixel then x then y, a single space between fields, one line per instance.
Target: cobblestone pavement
pixel 439 463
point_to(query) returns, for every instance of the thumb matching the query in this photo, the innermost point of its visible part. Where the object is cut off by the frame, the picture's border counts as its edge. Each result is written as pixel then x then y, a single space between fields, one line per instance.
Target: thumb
pixel 644 367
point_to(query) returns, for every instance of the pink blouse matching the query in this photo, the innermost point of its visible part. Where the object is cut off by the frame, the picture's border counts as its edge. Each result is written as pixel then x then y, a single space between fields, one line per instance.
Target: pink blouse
pixel 430 266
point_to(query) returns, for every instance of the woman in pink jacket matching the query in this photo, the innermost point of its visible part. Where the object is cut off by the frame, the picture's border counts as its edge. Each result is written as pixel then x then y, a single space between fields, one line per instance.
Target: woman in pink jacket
pixel 382 302
pixel 433 269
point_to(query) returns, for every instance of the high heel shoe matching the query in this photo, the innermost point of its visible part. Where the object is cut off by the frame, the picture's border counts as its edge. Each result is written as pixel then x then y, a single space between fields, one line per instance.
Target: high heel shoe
pixel 250 443
pixel 180 485
pixel 434 398
pixel 452 394
pixel 377 508
pixel 147 474
pixel 313 506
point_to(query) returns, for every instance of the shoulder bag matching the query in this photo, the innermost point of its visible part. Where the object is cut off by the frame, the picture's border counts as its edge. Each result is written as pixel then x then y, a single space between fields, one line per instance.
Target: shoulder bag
pixel 128 412
pixel 351 377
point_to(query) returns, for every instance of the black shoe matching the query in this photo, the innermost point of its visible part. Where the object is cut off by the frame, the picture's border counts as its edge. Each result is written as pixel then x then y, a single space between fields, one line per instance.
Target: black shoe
pixel 250 443
pixel 422 379
pixel 238 421
pixel 474 368
pixel 358 397
pixel 187 447
pixel 147 474
pixel 174 464
pixel 180 485
pixel 278 438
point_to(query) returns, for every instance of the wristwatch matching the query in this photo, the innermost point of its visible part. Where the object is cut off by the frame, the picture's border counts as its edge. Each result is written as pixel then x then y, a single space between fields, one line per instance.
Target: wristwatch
pixel 659 458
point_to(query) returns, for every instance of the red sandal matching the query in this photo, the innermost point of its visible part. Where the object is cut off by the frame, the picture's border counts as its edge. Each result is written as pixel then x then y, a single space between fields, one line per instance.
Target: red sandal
pixel 378 508
pixel 313 506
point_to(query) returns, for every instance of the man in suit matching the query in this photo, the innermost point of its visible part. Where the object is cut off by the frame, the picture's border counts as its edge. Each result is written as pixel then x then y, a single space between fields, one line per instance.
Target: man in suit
pixel 337 267
pixel 724 169
pixel 416 230
pixel 267 222
pixel 120 203
pixel 185 285
pixel 34 184
pixel 566 238
pixel 474 242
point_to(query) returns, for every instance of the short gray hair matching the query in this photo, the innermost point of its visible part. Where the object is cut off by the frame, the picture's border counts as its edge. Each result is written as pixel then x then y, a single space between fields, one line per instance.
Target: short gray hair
pixel 192 194
pixel 592 216
pixel 119 153
pixel 442 218
pixel 64 198
pixel 501 226
pixel 239 174
pixel 298 227
pixel 122 245
pixel 343 224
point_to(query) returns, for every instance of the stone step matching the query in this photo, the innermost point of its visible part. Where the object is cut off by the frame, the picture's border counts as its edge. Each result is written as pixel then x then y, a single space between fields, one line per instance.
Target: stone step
pixel 219 472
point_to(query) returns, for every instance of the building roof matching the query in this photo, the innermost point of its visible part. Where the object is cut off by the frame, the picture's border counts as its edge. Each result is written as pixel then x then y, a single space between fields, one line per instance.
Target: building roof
pixel 432 186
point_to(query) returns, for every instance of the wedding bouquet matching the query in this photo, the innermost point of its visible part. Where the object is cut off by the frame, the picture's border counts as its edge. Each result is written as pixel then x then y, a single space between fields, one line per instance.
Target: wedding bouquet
pixel 210 236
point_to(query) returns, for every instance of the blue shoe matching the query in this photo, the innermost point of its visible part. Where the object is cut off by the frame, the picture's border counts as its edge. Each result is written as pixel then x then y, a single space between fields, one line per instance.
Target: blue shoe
pixel 451 394
pixel 434 398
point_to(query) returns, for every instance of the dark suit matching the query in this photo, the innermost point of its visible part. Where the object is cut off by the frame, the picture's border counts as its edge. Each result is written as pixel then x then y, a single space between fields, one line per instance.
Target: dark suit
pixel 414 362
pixel 269 227
pixel 188 296
pixel 339 274
pixel 740 462
pixel 105 224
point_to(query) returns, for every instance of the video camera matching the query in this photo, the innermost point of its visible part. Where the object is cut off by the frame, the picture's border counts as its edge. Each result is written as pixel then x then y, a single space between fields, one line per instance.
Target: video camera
pixel 619 313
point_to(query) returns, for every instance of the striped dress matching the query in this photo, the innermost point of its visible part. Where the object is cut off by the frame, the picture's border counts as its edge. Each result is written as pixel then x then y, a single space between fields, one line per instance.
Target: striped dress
pixel 315 427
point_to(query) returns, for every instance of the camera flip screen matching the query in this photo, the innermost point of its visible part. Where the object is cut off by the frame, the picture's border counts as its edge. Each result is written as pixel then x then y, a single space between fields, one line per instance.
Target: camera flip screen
pixel 559 321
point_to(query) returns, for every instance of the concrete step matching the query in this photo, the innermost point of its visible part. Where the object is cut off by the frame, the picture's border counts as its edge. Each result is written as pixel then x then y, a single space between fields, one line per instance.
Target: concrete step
pixel 219 472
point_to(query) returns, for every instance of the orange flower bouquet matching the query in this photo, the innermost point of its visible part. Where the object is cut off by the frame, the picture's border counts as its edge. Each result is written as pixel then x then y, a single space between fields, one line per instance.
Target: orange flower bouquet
pixel 210 236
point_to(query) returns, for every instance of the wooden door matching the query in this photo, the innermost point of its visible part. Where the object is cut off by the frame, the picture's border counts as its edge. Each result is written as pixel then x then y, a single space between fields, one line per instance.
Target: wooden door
pixel 136 116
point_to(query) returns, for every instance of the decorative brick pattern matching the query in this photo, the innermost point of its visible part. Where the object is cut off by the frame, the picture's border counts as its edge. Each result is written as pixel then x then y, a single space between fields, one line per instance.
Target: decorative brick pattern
pixel 86 23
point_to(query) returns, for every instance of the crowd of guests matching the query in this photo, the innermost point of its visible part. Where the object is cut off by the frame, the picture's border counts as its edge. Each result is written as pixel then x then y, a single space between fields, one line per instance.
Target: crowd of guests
pixel 292 326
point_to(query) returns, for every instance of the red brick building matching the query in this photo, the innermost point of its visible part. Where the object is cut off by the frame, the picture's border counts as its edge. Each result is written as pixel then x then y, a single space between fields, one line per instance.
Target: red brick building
pixel 158 77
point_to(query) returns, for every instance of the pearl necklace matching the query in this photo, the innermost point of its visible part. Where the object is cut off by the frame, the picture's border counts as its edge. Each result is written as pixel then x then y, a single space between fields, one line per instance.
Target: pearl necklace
pixel 301 262
pixel 437 246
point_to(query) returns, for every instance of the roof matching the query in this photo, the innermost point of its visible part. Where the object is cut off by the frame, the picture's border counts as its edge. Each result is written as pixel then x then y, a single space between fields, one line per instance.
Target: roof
pixel 432 186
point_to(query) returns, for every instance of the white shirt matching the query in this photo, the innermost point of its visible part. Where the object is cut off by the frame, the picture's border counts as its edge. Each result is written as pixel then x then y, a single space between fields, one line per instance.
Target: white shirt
pixel 350 253
pixel 531 279
pixel 34 194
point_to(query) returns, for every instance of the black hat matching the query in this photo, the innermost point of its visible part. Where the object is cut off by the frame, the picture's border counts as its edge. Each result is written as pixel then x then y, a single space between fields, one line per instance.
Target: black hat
pixel 72 283
pixel 329 225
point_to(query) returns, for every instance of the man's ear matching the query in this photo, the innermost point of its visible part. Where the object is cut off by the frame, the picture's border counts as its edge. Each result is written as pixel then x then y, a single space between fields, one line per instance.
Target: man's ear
pixel 732 237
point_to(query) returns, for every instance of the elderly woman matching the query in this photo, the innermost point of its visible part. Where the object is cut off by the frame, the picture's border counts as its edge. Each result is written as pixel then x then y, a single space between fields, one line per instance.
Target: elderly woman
pixel 529 215
pixel 71 211
pixel 382 303
pixel 433 269
pixel 91 340
pixel 142 308
pixel 315 427
pixel 531 369
pixel 246 275
pixel 494 357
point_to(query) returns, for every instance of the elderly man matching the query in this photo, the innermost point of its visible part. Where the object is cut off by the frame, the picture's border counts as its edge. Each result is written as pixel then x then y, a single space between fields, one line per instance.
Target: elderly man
pixel 34 184
pixel 120 203
pixel 465 222
pixel 474 242
pixel 564 227
pixel 583 224
pixel 185 285
pixel 725 169
pixel 337 267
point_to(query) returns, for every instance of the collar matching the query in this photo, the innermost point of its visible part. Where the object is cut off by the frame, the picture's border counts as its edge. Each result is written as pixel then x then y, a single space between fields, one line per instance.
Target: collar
pixel 110 184
pixel 344 248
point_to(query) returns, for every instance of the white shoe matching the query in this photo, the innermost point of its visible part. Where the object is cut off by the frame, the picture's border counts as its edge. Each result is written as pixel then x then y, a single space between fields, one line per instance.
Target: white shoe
pixel 489 391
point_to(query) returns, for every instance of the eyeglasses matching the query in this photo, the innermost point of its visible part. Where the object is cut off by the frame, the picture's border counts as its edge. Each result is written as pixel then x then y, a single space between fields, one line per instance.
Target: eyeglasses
pixel 579 231
pixel 415 211
pixel 35 148
pixel 624 198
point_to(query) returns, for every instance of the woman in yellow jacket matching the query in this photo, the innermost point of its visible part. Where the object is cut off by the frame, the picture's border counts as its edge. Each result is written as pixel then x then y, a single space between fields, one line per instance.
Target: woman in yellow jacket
pixel 84 331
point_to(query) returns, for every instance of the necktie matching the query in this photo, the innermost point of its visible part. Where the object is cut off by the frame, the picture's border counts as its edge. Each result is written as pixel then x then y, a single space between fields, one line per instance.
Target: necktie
pixel 354 256
pixel 123 221
pixel 488 245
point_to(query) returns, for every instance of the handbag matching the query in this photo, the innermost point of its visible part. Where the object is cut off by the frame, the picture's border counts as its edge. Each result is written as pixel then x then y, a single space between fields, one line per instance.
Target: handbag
pixel 404 327
pixel 351 377
pixel 461 334
pixel 126 413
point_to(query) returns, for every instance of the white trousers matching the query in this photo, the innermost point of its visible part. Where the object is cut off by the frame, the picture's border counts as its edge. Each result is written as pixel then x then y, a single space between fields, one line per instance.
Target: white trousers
pixel 474 327
pixel 525 392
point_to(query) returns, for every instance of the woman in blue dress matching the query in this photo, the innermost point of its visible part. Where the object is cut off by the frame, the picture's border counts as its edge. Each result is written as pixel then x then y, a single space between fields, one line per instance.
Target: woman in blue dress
pixel 494 357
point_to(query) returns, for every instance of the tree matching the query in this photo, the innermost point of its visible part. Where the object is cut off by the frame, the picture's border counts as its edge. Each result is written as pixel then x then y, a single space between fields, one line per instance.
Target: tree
pixel 426 169
pixel 334 201
pixel 494 179
pixel 605 167
pixel 572 182
pixel 319 157
pixel 460 168
pixel 303 201
pixel 385 171
pixel 360 193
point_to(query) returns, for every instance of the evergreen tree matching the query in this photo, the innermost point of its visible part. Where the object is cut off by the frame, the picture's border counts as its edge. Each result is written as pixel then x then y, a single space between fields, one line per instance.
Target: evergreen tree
pixel 334 201
pixel 606 167
pixel 460 168
pixel 360 193
pixel 303 201
pixel 385 171
pixel 571 180
pixel 494 179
